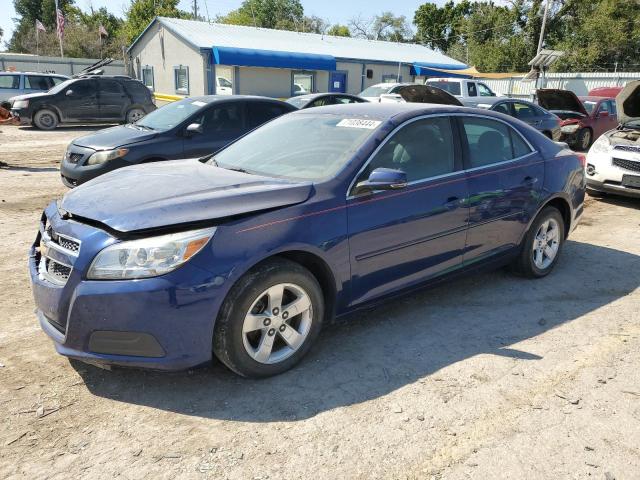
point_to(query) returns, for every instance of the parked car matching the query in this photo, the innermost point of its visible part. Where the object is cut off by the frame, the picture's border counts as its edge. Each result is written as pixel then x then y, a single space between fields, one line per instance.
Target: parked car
pixel 373 93
pixel 536 116
pixel 323 99
pixel 609 92
pixel 613 162
pixel 87 99
pixel 415 93
pixel 20 83
pixel 315 214
pixel 471 93
pixel 188 128
pixel 583 119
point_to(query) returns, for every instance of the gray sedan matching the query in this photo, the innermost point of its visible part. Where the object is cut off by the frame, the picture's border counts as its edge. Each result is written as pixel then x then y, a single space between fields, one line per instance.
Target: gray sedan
pixel 536 116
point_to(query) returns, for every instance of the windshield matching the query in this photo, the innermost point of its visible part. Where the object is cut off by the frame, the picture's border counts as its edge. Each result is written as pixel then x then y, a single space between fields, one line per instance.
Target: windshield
pixel 223 82
pixel 375 91
pixel 452 87
pixel 298 102
pixel 309 146
pixel 171 114
pixel 589 105
pixel 61 86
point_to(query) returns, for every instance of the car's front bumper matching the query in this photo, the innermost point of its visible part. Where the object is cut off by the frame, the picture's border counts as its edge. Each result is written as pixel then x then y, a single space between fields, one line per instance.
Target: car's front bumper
pixel 163 323
pixel 23 115
pixel 603 175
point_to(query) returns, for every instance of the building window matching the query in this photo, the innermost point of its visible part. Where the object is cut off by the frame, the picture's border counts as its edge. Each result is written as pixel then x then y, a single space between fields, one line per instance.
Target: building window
pixel 147 76
pixel 302 83
pixel 391 78
pixel 181 79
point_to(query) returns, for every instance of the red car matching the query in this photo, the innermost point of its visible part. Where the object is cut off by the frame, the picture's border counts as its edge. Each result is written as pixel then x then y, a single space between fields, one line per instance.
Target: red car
pixel 584 119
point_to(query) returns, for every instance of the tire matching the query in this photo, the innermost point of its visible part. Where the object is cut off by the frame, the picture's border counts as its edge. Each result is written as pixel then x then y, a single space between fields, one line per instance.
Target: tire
pixel 248 321
pixel 45 119
pixel 533 260
pixel 584 139
pixel 134 115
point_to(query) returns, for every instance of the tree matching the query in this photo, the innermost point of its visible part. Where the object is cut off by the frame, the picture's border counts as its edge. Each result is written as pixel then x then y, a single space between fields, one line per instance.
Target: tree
pixel 141 12
pixel 439 28
pixel 339 31
pixel 31 10
pixel 385 26
pixel 277 14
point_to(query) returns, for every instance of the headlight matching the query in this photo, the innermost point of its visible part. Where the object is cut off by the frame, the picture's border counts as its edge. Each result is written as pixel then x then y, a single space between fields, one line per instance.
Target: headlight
pixel 107 155
pixel 148 257
pixel 20 104
pixel 601 145
pixel 573 128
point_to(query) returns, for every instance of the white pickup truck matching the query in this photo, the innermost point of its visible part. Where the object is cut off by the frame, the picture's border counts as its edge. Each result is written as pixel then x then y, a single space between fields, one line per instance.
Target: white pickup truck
pixel 470 92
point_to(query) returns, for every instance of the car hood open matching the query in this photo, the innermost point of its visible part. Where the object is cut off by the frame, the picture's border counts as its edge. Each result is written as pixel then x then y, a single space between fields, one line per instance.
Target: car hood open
pixel 560 100
pixel 628 102
pixel 114 137
pixel 158 195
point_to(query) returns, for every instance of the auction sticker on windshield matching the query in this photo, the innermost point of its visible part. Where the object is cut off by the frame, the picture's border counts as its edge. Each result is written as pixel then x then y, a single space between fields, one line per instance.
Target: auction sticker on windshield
pixel 198 103
pixel 358 123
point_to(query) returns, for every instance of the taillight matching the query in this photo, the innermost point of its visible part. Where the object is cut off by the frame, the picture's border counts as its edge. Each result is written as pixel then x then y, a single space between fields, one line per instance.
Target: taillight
pixel 583 159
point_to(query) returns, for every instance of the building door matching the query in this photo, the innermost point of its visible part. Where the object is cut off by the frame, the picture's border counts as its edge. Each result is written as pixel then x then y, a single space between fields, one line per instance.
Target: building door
pixel 338 82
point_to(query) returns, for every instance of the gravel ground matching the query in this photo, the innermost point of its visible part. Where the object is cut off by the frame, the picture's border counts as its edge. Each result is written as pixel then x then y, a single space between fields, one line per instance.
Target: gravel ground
pixel 489 377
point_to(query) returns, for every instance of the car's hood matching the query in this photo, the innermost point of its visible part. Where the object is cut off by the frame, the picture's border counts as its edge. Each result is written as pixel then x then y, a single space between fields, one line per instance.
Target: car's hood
pixel 560 100
pixel 114 137
pixel 29 96
pixel 157 195
pixel 628 102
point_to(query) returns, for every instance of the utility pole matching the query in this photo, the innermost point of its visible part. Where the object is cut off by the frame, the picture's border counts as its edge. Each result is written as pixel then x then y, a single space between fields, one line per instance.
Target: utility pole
pixel 544 24
pixel 195 9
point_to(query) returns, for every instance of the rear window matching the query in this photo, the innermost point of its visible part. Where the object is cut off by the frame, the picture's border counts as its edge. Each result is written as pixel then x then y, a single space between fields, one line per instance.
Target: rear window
pixel 38 82
pixel 137 89
pixel 10 81
pixel 452 87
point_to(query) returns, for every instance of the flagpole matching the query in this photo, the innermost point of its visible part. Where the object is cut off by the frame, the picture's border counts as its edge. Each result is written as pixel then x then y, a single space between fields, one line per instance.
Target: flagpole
pixel 37 46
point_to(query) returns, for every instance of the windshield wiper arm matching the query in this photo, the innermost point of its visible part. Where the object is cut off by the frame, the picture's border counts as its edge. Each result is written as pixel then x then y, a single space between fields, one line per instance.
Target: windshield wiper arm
pixel 208 157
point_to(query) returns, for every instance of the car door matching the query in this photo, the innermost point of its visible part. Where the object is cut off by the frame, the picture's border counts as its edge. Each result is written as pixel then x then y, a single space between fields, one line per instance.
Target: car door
pixel 9 85
pixel 79 101
pixel 112 99
pixel 606 119
pixel 505 176
pixel 401 237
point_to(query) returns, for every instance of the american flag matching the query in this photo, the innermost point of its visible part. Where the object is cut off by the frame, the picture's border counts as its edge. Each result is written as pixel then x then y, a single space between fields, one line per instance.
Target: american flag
pixel 59 23
pixel 40 26
pixel 103 31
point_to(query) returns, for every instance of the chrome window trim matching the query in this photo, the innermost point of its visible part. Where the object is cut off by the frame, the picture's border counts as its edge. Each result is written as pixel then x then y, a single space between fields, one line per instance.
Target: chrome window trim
pixel 462 171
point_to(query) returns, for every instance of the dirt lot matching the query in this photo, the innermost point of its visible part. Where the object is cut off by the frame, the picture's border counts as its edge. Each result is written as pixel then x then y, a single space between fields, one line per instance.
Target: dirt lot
pixel 490 377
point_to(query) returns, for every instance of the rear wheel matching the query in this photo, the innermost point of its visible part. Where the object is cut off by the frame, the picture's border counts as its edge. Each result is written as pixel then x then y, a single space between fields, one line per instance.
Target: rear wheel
pixel 269 320
pixel 542 244
pixel 45 119
pixel 134 115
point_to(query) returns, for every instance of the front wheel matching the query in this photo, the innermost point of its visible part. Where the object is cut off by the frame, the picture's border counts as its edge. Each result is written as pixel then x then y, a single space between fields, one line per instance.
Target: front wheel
pixel 45 119
pixel 542 244
pixel 269 320
pixel 584 138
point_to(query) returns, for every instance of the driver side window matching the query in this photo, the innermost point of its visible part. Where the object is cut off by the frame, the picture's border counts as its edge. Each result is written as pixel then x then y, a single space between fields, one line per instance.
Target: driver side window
pixel 422 149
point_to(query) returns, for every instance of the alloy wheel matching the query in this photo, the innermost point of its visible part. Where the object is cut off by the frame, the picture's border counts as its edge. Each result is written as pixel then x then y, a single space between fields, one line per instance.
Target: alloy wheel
pixel 546 244
pixel 277 323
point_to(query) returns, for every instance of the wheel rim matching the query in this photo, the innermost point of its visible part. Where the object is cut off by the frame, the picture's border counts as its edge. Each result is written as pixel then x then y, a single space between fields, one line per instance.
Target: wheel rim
pixel 586 139
pixel 135 115
pixel 546 244
pixel 277 324
pixel 46 119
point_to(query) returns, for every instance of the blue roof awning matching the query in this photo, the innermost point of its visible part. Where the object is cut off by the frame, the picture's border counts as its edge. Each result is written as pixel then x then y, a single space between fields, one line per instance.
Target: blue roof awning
pixel 426 70
pixel 249 57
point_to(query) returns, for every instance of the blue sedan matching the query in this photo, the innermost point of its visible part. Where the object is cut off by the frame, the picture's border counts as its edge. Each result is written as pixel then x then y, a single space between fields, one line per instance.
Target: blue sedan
pixel 246 254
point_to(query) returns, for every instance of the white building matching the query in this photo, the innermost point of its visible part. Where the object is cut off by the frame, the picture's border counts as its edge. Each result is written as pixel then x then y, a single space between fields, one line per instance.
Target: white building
pixel 186 57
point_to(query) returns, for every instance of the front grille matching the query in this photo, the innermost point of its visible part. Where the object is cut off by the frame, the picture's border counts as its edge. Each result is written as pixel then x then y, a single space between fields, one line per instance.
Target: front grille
pixel 50 267
pixel 628 148
pixel 627 164
pixel 74 157
pixel 71 245
pixel 57 270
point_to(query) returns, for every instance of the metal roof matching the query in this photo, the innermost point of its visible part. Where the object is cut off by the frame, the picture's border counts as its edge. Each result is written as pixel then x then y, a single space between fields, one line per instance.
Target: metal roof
pixel 209 35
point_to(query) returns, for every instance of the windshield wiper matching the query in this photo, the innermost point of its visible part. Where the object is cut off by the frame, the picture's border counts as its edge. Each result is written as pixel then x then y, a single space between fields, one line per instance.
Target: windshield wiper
pixel 236 169
pixel 208 157
pixel 143 127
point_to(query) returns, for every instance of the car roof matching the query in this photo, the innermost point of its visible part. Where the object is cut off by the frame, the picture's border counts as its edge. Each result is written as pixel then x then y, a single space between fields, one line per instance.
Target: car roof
pixel 591 98
pixel 388 111
pixel 231 98
pixel 311 96
pixel 46 74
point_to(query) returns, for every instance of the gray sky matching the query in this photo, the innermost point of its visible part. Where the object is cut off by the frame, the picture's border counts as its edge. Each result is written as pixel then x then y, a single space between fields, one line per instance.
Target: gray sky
pixel 336 11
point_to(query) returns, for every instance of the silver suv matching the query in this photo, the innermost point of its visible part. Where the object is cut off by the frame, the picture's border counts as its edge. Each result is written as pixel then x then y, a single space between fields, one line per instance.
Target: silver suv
pixel 19 83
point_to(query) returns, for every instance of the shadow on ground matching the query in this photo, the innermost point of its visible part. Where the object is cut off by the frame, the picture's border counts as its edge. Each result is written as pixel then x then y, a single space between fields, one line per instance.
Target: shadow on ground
pixel 375 352
pixel 13 168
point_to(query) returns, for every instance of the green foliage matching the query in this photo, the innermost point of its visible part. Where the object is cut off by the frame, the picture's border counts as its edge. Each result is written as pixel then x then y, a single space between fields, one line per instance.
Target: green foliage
pixel 278 14
pixel 141 12
pixel 339 31
pixel 504 37
pixel 385 26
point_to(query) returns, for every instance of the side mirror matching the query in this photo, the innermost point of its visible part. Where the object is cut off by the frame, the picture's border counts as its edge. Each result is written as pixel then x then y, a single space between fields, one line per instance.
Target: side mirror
pixel 382 179
pixel 193 128
pixel 69 93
